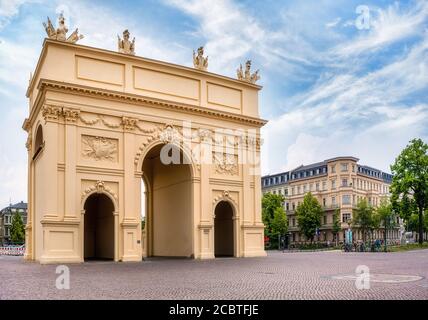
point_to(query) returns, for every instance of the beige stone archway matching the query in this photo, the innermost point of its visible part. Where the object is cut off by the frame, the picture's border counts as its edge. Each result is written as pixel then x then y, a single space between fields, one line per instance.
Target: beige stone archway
pixel 231 242
pixel 170 198
pixel 102 113
pixel 99 188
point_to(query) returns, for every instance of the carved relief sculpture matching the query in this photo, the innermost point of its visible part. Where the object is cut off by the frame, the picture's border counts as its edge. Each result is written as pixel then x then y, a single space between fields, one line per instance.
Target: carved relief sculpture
pixel 199 62
pixel 169 135
pixel 126 46
pixel 99 148
pixel 225 164
pixel 246 75
pixel 61 32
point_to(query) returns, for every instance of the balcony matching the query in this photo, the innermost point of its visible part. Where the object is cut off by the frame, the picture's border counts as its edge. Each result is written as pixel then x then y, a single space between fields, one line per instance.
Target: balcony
pixel 330 207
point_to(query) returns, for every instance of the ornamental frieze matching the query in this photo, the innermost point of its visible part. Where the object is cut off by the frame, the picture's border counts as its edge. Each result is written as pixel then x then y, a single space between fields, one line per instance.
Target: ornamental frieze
pixel 99 148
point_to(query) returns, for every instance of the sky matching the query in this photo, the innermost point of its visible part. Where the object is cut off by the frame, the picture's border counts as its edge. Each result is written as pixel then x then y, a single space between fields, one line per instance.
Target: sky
pixel 339 77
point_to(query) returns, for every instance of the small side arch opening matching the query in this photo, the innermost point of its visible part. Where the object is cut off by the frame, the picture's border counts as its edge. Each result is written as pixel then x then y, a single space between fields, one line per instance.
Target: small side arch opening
pixel 223 230
pixel 99 228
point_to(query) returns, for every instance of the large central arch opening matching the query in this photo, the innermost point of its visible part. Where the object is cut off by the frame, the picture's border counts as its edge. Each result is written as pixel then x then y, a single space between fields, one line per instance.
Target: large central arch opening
pixel 223 230
pixel 168 216
pixel 99 228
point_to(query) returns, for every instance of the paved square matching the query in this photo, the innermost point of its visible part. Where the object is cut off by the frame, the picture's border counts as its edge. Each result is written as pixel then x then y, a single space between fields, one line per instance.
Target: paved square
pixel 315 275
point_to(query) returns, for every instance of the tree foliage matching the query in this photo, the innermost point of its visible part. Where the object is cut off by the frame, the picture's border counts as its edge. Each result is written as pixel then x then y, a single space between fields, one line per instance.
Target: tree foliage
pixel 17 230
pixel 279 224
pixel 410 182
pixel 273 215
pixel 309 214
pixel 364 218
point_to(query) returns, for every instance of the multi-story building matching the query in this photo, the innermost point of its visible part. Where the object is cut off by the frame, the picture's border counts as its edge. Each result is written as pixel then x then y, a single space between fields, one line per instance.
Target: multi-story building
pixel 338 184
pixel 6 215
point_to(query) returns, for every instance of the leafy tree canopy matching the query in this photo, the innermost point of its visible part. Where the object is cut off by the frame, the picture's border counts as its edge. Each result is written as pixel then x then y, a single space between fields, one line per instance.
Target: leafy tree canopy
pixel 309 214
pixel 410 182
pixel 17 231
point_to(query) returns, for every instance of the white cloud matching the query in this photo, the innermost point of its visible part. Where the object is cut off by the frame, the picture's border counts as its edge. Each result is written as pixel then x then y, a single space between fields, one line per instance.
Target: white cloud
pixel 367 116
pixel 386 26
pixel 333 23
pixel 10 8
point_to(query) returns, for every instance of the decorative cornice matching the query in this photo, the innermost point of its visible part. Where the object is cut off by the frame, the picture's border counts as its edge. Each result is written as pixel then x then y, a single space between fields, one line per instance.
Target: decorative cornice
pixel 45 84
pixel 29 142
pixel 51 113
pixel 129 124
pixel 70 115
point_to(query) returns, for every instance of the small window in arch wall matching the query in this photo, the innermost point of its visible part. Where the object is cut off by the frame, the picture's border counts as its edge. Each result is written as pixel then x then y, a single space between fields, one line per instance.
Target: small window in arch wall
pixel 39 142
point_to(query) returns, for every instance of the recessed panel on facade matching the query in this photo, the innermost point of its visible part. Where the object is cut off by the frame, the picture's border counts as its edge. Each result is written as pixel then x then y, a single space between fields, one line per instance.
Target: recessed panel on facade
pixel 224 96
pixel 166 84
pixel 100 71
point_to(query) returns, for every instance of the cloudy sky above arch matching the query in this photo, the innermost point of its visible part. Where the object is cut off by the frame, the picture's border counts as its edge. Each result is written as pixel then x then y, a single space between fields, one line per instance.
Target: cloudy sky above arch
pixel 329 88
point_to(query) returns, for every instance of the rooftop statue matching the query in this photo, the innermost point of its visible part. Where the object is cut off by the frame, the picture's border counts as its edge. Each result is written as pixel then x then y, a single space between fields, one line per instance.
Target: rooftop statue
pixel 61 32
pixel 199 62
pixel 126 46
pixel 246 75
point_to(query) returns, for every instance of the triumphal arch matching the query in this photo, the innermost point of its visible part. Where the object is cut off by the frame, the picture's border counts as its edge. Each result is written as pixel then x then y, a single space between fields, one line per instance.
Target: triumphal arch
pixel 107 128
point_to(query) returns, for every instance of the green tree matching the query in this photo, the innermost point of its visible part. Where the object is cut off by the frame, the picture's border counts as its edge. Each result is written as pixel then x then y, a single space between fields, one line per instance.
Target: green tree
pixel 272 210
pixel 364 218
pixel 309 214
pixel 17 230
pixel 413 223
pixel 410 179
pixel 405 207
pixel 279 222
pixel 385 218
pixel 336 225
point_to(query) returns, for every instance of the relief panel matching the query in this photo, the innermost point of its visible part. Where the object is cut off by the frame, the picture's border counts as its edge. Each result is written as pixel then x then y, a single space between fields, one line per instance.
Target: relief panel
pixel 100 148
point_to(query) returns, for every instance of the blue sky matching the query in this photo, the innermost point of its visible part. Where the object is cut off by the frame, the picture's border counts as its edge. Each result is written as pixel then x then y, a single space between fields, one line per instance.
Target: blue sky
pixel 330 87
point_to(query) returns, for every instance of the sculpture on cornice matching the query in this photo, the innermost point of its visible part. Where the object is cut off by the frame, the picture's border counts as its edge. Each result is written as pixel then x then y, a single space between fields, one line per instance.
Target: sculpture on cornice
pixel 126 46
pixel 199 62
pixel 61 32
pixel 246 75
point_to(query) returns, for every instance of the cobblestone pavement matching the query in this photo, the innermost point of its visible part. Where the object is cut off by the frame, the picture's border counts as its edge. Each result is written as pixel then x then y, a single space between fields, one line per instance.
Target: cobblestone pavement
pixel 279 276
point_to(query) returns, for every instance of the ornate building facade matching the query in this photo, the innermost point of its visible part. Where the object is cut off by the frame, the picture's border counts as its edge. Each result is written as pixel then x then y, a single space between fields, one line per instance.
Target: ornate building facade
pixel 99 122
pixel 6 216
pixel 338 184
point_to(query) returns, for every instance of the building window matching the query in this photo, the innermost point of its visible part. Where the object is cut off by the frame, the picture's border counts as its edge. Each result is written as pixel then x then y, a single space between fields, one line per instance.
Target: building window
pixel 39 142
pixel 287 206
pixel 324 185
pixel 333 200
pixel 325 219
pixel 344 182
pixel 333 184
pixel 353 168
pixel 293 222
pixel 304 189
pixel 346 199
pixel 333 169
pixel 344 167
pixel 324 202
pixel 317 186
pixel 318 171
pixel 346 217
